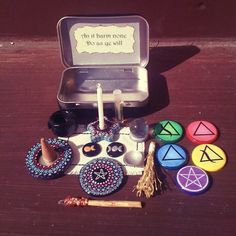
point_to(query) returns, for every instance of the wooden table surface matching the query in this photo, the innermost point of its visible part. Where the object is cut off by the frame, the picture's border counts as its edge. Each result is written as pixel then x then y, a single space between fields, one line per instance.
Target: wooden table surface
pixel 189 79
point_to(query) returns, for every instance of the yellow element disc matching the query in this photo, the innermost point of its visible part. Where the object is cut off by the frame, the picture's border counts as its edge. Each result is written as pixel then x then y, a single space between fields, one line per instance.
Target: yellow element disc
pixel 209 157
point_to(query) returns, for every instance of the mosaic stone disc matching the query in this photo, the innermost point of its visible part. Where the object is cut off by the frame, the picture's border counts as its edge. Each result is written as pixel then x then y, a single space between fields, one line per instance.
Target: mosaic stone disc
pixel 101 176
pixel 57 168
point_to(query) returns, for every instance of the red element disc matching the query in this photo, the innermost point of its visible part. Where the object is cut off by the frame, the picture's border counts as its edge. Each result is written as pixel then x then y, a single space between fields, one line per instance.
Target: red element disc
pixel 201 132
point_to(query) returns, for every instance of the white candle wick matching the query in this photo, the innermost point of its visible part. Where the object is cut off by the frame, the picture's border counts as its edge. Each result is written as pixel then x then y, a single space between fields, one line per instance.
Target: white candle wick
pixel 100 107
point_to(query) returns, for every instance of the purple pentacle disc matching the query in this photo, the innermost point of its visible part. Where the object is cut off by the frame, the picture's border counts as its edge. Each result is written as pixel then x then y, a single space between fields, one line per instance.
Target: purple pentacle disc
pixel 192 179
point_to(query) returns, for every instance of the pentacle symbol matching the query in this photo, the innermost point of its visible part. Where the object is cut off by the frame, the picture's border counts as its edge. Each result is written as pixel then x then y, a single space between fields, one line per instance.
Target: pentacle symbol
pixel 172 154
pixel 208 154
pixel 192 179
pixel 203 129
pixel 100 175
pixel 168 129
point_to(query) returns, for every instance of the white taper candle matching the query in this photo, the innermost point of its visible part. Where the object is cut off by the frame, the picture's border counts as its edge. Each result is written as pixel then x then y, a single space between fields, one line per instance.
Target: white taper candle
pixel 100 107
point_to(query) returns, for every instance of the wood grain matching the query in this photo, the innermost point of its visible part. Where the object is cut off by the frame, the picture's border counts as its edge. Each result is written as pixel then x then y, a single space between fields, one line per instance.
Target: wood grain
pixel 189 80
pixel 167 18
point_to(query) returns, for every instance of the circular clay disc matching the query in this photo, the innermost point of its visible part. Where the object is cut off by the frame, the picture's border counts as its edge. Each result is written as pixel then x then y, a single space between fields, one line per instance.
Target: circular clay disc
pixel 171 156
pixel 201 132
pixel 192 179
pixel 101 176
pixel 115 149
pixel 209 157
pixel 168 131
pixel 91 149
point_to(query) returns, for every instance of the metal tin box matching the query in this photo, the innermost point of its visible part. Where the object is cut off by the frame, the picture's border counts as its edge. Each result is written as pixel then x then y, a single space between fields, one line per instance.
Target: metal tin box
pixel 112 51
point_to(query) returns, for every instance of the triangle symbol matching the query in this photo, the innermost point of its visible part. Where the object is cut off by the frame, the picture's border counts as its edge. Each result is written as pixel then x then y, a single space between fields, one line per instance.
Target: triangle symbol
pixel 168 129
pixel 209 154
pixel 202 129
pixel 172 154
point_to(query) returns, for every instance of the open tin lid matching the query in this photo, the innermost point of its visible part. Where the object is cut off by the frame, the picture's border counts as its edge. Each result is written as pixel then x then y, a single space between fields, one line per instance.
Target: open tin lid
pixel 104 41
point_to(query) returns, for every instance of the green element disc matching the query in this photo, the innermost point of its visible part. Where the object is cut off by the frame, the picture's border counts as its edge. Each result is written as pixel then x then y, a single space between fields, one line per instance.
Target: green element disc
pixel 168 131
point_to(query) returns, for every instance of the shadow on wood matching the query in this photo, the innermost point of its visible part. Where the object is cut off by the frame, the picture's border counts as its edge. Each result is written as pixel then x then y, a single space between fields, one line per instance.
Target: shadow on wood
pixel 165 58
pixel 161 59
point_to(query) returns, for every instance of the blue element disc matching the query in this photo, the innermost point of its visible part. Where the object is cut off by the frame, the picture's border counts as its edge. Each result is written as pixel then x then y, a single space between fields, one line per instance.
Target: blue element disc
pixel 101 176
pixel 57 168
pixel 171 156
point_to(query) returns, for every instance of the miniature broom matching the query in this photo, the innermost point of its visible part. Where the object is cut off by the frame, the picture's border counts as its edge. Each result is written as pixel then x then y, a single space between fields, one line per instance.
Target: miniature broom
pixel 149 183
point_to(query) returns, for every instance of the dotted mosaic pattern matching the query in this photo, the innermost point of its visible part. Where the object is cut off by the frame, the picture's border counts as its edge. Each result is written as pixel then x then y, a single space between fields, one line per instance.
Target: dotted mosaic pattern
pixel 107 134
pixel 101 176
pixel 57 168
